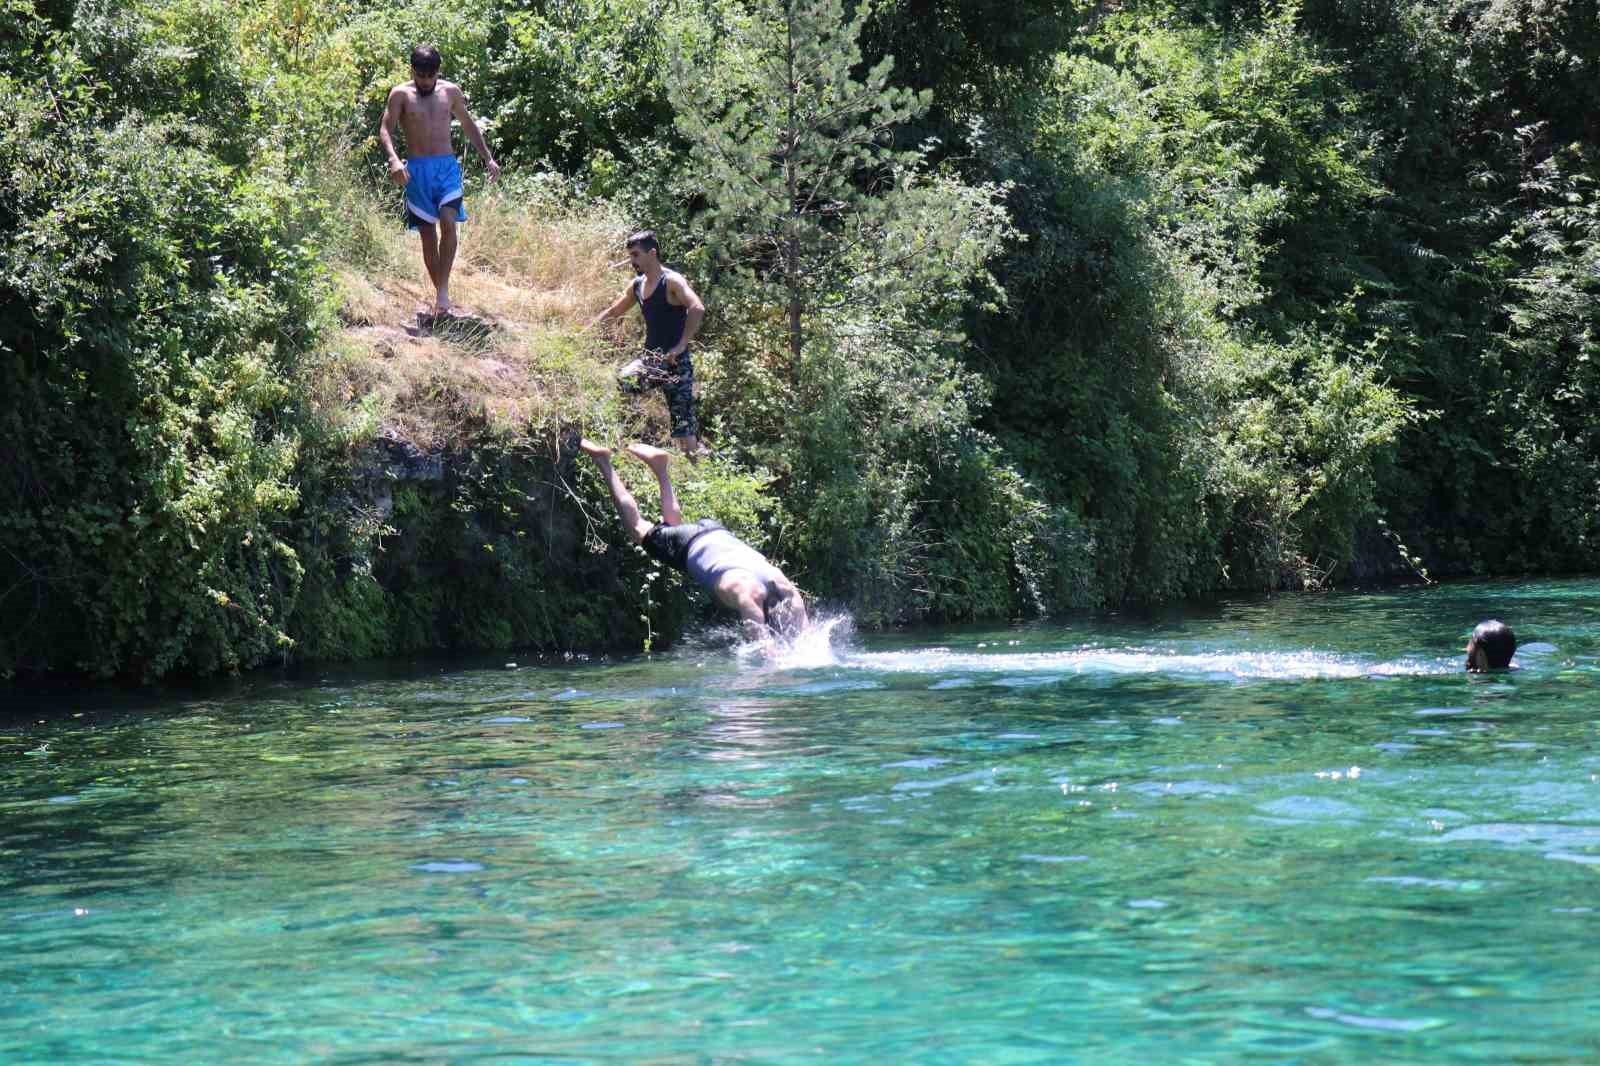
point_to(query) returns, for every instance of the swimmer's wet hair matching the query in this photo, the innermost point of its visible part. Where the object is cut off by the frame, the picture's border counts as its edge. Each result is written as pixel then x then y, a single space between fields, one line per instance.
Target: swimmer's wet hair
pixel 425 58
pixel 1498 644
pixel 782 618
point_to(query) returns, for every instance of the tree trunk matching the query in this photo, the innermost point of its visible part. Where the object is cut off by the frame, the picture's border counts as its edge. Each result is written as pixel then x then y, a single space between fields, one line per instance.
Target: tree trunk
pixel 791 249
pixel 794 328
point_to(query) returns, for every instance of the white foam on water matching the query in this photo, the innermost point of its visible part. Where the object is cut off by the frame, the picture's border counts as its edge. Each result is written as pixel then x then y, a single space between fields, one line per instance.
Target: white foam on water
pixel 447 866
pixel 811 649
pixel 1371 1021
pixel 827 642
pixel 1427 882
pixel 1021 668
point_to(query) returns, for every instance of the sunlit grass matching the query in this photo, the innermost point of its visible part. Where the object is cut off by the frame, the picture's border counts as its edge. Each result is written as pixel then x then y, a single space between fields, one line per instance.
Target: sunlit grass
pixel 531 272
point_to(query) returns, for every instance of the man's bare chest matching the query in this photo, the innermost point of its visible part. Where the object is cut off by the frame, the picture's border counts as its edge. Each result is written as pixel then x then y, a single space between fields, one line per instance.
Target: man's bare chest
pixel 426 116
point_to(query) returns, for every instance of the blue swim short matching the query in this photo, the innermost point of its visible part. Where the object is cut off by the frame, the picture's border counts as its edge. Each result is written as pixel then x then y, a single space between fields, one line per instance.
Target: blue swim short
pixel 435 182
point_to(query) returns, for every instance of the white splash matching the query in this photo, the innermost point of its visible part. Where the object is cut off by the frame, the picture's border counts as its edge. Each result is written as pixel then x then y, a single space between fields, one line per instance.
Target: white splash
pixel 811 649
pixel 1026 668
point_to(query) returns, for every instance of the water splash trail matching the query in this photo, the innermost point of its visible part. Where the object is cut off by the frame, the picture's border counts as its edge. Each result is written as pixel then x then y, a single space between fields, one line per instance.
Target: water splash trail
pixel 1222 665
pixel 828 643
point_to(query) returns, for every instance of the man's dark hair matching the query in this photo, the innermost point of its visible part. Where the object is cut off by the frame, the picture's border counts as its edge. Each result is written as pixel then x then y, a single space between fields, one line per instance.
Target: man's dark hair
pixel 1496 641
pixel 644 240
pixel 778 609
pixel 425 59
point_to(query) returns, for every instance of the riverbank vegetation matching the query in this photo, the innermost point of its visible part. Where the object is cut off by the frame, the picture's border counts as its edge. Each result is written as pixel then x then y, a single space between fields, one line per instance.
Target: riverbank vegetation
pixel 1042 306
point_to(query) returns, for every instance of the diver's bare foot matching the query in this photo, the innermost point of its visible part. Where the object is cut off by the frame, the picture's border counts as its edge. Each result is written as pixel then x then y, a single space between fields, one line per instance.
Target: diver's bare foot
pixel 593 450
pixel 655 458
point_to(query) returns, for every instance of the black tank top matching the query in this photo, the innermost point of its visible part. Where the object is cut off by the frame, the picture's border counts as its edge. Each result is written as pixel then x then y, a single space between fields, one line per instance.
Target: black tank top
pixel 663 323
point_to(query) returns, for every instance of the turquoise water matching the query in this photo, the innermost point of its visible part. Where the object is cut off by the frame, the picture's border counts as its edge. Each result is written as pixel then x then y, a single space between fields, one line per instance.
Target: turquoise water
pixel 1276 831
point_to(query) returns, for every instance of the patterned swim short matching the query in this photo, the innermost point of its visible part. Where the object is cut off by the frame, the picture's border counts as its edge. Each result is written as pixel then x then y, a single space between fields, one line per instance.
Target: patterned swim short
pixel 651 371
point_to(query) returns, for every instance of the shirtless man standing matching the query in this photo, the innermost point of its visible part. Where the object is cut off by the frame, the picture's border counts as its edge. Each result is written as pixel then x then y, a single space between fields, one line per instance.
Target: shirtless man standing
pixel 430 175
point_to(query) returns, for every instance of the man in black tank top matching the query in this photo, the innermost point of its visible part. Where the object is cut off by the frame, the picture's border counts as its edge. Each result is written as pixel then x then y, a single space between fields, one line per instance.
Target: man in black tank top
pixel 672 315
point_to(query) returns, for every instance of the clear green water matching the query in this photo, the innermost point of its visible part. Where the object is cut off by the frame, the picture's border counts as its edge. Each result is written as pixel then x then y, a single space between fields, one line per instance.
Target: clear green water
pixel 1110 841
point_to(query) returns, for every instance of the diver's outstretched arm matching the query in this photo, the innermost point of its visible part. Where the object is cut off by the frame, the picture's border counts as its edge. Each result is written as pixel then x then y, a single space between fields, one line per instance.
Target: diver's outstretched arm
pixel 753 622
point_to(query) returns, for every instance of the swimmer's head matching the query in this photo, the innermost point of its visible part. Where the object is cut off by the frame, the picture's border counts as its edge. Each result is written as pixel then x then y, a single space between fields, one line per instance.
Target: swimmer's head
pixel 1490 647
pixel 425 61
pixel 785 610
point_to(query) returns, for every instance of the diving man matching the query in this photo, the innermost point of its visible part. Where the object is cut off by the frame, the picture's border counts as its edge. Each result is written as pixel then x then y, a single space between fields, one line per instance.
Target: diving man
pixel 740 577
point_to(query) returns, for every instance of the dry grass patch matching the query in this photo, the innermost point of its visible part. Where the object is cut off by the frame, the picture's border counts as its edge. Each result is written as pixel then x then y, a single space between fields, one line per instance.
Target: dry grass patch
pixel 529 276
pixel 554 260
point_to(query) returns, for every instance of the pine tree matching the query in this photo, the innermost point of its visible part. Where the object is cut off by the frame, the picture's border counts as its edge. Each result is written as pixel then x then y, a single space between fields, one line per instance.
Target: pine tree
pixel 807 192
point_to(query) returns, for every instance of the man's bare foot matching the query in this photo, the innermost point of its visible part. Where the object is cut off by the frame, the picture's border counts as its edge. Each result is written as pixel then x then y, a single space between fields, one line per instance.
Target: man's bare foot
pixel 655 458
pixel 593 450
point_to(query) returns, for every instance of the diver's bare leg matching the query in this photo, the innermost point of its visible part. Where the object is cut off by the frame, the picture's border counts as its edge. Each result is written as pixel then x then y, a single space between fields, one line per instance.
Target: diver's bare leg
pixel 657 459
pixel 627 508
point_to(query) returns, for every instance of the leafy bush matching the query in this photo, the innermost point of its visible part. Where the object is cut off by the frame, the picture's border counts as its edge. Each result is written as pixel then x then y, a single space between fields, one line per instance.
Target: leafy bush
pixel 152 300
pixel 867 249
pixel 1189 195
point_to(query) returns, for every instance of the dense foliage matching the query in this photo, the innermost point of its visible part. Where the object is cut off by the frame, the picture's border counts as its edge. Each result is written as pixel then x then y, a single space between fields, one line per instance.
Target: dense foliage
pixel 1209 293
pixel 157 289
